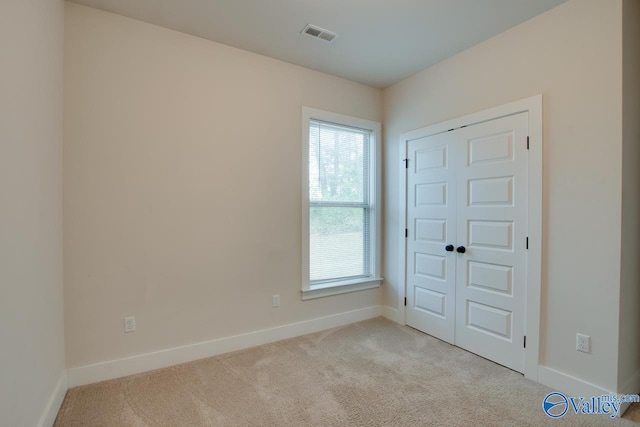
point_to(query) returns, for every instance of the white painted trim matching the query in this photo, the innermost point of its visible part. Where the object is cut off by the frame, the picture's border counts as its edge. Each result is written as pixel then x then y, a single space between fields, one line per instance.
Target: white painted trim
pixel 173 356
pixel 534 254
pixel 342 288
pixel 623 408
pixel 576 387
pixel 393 314
pixel 304 244
pixel 402 253
pixel 55 401
pixel 505 110
pixel 632 385
pixel 567 384
pixel 533 106
pixel 375 184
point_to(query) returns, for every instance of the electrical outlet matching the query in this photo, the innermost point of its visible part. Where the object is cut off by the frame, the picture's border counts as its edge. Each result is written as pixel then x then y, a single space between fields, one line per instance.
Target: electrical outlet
pixel 129 324
pixel 275 301
pixel 583 343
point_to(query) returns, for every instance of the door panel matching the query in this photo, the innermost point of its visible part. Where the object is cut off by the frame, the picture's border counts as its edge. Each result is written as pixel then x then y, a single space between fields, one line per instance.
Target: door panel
pixel 468 187
pixel 431 224
pixel 492 225
pixel 497 235
pixel 491 191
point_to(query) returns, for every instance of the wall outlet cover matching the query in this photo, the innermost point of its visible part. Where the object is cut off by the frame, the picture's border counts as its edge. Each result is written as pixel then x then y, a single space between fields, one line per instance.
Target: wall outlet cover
pixel 129 324
pixel 583 343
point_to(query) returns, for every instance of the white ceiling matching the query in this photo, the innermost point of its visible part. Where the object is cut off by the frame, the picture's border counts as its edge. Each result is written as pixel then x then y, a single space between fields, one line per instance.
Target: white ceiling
pixel 380 41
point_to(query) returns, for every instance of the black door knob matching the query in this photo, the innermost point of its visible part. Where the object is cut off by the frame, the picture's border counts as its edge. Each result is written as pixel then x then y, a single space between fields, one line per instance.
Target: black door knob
pixel 448 248
pixel 461 249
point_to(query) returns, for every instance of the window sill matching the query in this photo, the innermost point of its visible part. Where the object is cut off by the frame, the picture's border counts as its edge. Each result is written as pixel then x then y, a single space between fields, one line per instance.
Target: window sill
pixel 329 289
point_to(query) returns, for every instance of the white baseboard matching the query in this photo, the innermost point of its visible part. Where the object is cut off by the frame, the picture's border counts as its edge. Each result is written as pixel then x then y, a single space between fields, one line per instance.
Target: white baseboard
pixel 632 386
pixel 623 408
pixel 572 386
pixel 173 356
pixel 568 385
pixel 393 314
pixel 55 401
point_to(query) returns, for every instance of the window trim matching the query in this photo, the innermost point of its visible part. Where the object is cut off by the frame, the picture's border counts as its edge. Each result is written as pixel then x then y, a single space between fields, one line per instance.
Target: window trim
pixel 349 285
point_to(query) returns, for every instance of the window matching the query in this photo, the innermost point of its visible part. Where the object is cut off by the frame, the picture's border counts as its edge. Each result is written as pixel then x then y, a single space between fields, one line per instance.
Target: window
pixel 341 218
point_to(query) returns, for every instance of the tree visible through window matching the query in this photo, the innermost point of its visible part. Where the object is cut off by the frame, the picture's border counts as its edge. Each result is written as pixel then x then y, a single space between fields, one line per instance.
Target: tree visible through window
pixel 339 202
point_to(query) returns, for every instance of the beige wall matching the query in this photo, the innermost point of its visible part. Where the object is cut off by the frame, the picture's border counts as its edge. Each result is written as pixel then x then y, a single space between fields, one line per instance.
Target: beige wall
pixel 573 56
pixel 629 353
pixel 182 183
pixel 31 318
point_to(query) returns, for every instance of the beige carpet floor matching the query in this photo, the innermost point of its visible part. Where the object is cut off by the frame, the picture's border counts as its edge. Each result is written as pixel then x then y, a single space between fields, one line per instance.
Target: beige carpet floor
pixel 371 373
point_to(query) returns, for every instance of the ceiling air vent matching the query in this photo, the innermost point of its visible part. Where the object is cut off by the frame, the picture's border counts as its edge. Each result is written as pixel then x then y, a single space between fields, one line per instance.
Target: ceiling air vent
pixel 319 33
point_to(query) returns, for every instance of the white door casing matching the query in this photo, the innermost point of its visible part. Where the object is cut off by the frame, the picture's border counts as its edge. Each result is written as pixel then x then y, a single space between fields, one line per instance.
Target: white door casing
pixel 472 182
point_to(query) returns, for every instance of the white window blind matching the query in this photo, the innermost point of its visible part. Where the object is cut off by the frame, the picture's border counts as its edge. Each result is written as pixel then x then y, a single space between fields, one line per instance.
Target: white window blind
pixel 340 211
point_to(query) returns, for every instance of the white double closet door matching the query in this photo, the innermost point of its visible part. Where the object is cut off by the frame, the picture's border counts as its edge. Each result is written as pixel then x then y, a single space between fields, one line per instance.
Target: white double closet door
pixel 466 253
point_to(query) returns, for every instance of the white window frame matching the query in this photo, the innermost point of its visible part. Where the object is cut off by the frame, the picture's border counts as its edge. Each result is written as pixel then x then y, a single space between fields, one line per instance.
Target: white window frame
pixel 352 285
